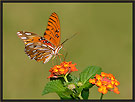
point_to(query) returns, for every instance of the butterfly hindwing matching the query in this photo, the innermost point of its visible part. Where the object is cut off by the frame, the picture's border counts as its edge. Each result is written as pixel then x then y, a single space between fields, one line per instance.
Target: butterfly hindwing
pixel 52 32
pixel 38 51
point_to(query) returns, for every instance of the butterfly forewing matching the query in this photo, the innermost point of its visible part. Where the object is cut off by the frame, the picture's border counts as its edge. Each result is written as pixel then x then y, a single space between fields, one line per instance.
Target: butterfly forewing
pixel 28 36
pixel 52 32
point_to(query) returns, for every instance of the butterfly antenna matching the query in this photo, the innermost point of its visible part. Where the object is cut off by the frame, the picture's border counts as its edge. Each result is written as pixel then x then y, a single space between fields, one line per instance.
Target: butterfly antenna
pixel 69 38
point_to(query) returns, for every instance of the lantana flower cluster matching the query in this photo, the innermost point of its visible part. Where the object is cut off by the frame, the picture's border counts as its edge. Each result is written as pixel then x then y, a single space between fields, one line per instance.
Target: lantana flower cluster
pixel 62 69
pixel 105 82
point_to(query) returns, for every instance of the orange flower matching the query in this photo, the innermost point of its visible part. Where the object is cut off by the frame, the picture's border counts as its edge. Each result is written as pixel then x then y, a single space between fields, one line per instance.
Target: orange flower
pixel 103 89
pixel 105 82
pixel 98 77
pixel 62 69
pixel 98 83
pixel 103 74
pixel 116 90
pixel 93 81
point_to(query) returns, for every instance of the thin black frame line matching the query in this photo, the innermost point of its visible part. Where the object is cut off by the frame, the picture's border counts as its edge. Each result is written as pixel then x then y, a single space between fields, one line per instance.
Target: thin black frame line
pixel 133 49
pixel 1 50
pixel 21 1
pixel 71 2
pixel 67 100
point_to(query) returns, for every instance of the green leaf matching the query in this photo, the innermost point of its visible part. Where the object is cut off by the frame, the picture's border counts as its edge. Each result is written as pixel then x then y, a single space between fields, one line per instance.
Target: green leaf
pixel 87 85
pixel 53 86
pixel 88 73
pixel 66 95
pixel 85 94
pixel 59 78
pixel 74 79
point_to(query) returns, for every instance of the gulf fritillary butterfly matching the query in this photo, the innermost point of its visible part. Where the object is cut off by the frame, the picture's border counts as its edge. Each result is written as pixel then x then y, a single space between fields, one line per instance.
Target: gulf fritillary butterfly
pixel 43 48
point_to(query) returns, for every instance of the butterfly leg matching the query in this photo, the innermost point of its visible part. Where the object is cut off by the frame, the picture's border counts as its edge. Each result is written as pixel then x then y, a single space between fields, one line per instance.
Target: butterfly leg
pixel 59 58
pixel 56 59
pixel 53 57
pixel 62 56
pixel 52 60
pixel 52 63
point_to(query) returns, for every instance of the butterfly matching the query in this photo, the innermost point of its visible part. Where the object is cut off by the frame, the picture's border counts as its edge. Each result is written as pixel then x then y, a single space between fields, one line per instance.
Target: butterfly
pixel 43 48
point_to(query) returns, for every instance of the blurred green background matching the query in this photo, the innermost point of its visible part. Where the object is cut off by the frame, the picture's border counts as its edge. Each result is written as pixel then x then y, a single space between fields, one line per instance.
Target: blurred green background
pixel 104 39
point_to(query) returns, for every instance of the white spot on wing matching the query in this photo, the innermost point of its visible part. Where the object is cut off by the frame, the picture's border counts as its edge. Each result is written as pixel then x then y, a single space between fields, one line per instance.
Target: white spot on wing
pixel 53 52
pixel 47 55
pixel 28 33
pixel 42 49
pixel 34 57
pixel 19 34
pixel 29 44
pixel 34 50
pixel 35 53
pixel 47 59
pixel 38 46
pixel 41 57
pixel 44 45
pixel 29 57
pixel 28 50
pixel 51 47
pixel 23 38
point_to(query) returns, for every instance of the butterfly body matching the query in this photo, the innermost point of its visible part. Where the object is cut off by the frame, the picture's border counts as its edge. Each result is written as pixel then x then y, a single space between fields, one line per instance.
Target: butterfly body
pixel 43 48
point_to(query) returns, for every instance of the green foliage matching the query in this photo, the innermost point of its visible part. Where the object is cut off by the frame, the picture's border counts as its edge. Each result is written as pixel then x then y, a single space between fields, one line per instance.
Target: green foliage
pixel 66 94
pixel 74 79
pixel 53 86
pixel 82 85
pixel 88 73
pixel 85 93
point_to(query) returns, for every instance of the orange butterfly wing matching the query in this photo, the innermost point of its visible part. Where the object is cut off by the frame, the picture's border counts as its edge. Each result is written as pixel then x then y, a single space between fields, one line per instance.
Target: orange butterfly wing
pixel 42 48
pixel 34 47
pixel 52 32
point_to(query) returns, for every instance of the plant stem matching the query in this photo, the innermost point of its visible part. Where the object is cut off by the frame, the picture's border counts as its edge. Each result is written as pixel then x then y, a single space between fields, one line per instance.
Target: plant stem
pixel 101 96
pixel 65 77
pixel 80 96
